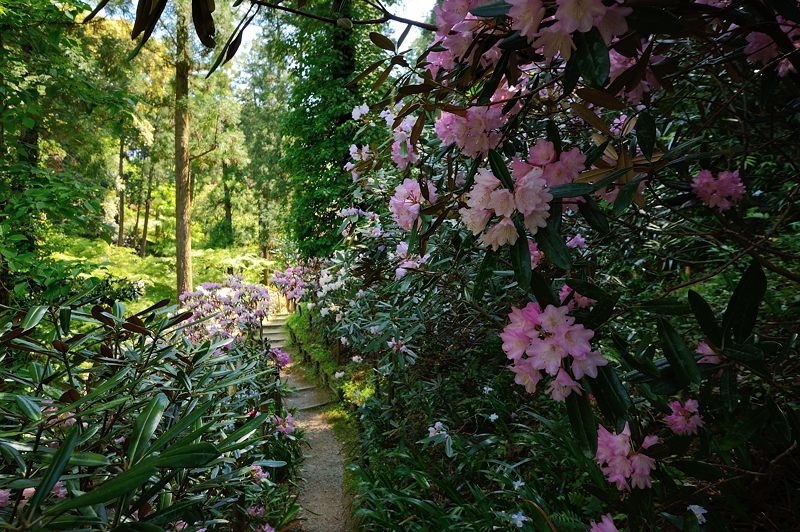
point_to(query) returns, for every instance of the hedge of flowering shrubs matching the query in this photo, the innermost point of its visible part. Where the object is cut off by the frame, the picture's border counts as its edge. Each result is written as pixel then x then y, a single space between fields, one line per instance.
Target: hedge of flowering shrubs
pixel 168 419
pixel 569 274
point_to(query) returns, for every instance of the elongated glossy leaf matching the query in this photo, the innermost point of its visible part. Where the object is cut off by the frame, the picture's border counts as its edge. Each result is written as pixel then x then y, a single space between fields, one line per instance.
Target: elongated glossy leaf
pixel 592 58
pixel 553 247
pixel 646 133
pixel 740 316
pixel 381 41
pixel 28 407
pixel 521 258
pixel 499 169
pixel 192 455
pixel 55 470
pixel 582 421
pixel 677 354
pixel 705 317
pixel 33 317
pixel 145 427
pixel 484 273
pixel 243 432
pixel 111 383
pixel 591 212
pixel 182 424
pixel 625 196
pixel 125 483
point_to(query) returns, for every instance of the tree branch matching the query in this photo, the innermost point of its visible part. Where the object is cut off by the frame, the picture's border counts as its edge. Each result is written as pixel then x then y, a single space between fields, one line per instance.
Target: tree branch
pixel 387 16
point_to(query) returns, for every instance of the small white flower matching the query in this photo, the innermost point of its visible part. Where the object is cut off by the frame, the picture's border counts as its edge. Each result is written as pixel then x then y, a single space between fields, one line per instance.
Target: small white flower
pixel 487 389
pixel 699 512
pixel 493 417
pixel 518 484
pixel 338 375
pixel 357 359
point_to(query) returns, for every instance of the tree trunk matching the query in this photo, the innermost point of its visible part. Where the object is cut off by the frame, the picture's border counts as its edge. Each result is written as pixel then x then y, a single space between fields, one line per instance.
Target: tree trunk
pixel 183 197
pixel 138 214
pixel 227 205
pixel 147 202
pixel 121 210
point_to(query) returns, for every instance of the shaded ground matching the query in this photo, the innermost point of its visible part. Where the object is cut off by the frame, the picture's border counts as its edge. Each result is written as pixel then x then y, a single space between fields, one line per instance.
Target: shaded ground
pixel 321 496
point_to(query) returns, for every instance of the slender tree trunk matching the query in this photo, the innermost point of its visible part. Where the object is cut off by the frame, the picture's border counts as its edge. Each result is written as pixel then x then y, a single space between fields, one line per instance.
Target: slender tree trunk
pixel 227 204
pixel 138 215
pixel 147 202
pixel 121 210
pixel 183 197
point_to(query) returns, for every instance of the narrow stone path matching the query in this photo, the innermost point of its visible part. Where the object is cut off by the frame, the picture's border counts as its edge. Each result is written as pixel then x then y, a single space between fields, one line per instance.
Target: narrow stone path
pixel 321 495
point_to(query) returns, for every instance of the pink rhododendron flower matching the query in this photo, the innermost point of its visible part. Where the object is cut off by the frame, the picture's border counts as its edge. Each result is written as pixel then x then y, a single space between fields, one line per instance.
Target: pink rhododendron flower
pixel 579 14
pixel 761 48
pixel 59 491
pixel 606 524
pixel 536 255
pixel 562 386
pixel 685 418
pixel 259 472
pixel 577 300
pixel 612 23
pixel 555 40
pixel 475 133
pixel 576 242
pixel 407 201
pixel 722 192
pixel 5 496
pixel 502 233
pixel 539 340
pixel 709 355
pixel 526 15
pixel 284 425
pixel 618 461
pixel 280 356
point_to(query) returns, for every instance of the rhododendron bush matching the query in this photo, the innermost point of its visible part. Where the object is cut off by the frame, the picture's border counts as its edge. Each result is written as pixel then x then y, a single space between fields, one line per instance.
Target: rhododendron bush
pixel 150 421
pixel 588 209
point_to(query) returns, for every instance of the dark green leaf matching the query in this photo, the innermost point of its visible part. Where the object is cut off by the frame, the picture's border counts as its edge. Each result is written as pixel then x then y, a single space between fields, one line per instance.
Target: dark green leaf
pixel 145 427
pixel 553 247
pixel 677 354
pixel 55 470
pixel 499 169
pixel 740 316
pixel 705 318
pixel 494 9
pixel 646 133
pixel 592 58
pixel 381 41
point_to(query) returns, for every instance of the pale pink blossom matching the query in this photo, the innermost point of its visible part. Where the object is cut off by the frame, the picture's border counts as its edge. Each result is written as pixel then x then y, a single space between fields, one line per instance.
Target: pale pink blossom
pixel 606 524
pixel 407 200
pixel 684 419
pixel 709 355
pixel 526 15
pixel 562 386
pixel 722 192
pixel 579 14
pixel 5 496
pixel 619 463
pixel 554 40
pixel 502 233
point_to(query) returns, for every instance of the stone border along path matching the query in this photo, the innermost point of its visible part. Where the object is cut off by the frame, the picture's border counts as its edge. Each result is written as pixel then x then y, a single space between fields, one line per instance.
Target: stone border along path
pixel 321 495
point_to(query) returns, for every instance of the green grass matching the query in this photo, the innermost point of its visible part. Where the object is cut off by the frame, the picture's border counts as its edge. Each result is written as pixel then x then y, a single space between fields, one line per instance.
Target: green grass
pixel 156 273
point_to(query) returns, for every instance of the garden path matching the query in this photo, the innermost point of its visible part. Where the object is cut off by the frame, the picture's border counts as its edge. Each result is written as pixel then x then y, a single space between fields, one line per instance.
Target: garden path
pixel 321 495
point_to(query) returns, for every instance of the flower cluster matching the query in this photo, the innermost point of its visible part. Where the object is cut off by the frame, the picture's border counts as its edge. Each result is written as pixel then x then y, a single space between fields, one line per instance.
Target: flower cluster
pixel 295 282
pixel 456 27
pixel 606 524
pixel 721 192
pixel 619 463
pixel 539 340
pixel 58 491
pixel 407 201
pixel 406 260
pixel 685 417
pixel 402 150
pixel 280 356
pixel 474 133
pixel 761 49
pixel 284 425
pixel 231 309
